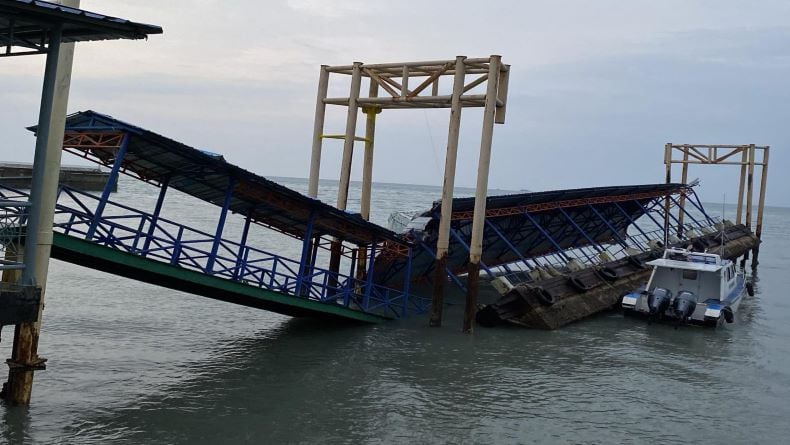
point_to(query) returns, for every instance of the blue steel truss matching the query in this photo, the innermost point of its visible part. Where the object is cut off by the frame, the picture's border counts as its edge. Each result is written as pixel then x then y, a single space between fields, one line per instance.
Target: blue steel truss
pixel 587 231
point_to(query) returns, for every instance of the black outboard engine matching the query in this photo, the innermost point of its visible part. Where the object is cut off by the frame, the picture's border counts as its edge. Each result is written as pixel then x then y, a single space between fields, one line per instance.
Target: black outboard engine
pixel 658 301
pixel 684 305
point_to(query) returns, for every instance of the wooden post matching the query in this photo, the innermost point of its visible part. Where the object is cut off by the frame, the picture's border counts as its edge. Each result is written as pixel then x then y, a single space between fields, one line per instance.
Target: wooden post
pixel 348 144
pixel 684 174
pixel 318 131
pixel 668 178
pixel 345 167
pixel 443 241
pixel 741 184
pixel 750 187
pixel 481 193
pixel 761 205
pixel 367 172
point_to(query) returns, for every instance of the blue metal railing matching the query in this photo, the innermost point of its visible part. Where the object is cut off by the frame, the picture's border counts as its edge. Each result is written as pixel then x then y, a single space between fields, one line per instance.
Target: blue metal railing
pixel 133 231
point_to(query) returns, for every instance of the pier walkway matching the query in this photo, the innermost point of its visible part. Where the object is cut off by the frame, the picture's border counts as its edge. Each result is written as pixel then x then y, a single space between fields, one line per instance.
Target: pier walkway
pixel 96 232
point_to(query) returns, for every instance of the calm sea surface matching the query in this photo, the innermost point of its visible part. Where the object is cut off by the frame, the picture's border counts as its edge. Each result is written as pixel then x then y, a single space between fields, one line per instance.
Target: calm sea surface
pixel 131 363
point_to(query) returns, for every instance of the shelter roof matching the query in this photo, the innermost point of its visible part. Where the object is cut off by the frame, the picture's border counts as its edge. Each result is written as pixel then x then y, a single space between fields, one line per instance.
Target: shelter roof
pixel 157 159
pixel 26 23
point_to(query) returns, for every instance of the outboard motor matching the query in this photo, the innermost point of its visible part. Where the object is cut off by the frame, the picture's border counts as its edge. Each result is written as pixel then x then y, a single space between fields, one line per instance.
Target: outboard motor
pixel 658 301
pixel 684 305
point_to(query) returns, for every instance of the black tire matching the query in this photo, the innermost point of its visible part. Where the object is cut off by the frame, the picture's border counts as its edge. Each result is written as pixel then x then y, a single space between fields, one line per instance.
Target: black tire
pixel 729 317
pixel 544 297
pixel 608 274
pixel 578 284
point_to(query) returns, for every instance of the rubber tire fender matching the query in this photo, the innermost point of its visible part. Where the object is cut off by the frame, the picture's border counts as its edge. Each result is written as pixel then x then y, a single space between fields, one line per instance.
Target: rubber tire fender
pixel 729 317
pixel 608 273
pixel 544 297
pixel 578 284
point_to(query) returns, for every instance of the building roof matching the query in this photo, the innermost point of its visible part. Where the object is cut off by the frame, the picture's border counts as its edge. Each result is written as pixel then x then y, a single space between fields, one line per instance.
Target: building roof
pixel 25 23
pixel 153 158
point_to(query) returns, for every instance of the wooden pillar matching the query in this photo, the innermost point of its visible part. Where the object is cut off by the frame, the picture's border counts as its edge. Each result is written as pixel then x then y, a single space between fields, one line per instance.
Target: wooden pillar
pixel 345 166
pixel 750 187
pixel 761 204
pixel 348 143
pixel 481 193
pixel 318 132
pixel 367 169
pixel 741 184
pixel 684 174
pixel 668 180
pixel 443 241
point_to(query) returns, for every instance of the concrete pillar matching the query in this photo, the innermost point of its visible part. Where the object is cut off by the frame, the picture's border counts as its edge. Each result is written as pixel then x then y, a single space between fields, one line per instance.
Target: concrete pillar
pixel 43 196
pixel 443 242
pixel 481 193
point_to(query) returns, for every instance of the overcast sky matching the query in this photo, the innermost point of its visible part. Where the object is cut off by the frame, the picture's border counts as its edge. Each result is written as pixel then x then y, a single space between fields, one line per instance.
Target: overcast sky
pixel 597 88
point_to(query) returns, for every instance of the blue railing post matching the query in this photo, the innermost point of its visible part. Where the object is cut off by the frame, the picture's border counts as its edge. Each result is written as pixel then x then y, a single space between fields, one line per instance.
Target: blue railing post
pixel 508 243
pixel 177 247
pixel 212 258
pixel 112 179
pixel 369 280
pixel 683 209
pixel 242 245
pixel 407 284
pixel 306 253
pixel 155 217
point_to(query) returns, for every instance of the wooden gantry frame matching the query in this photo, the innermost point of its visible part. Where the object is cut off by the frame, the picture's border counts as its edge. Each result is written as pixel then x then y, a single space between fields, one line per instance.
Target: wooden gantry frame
pixel 748 156
pixel 409 85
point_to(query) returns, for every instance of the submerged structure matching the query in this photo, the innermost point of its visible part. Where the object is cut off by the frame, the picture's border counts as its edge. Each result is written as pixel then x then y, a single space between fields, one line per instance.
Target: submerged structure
pixel 555 257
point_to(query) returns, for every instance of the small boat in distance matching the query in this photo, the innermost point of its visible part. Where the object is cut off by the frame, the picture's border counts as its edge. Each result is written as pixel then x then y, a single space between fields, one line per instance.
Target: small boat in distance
pixel 690 287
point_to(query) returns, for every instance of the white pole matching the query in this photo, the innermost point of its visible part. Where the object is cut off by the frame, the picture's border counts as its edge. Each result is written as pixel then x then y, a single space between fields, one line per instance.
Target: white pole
pixel 43 196
pixel 367 169
pixel 318 131
pixel 351 128
pixel 481 192
pixel 443 242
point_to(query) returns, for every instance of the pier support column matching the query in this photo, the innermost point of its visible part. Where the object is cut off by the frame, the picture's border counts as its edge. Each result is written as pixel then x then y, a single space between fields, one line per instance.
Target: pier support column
pixel 345 166
pixel 367 171
pixel 155 216
pixel 443 241
pixel 481 193
pixel 749 193
pixel 318 133
pixel 684 175
pixel 741 185
pixel 760 206
pixel 43 196
pixel 668 180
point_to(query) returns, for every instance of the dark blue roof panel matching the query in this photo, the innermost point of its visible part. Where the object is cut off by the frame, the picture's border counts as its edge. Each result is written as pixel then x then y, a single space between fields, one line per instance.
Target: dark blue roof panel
pixel 154 158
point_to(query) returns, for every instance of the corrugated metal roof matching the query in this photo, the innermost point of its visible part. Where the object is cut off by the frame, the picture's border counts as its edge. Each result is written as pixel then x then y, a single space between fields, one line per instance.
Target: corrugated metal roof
pixel 205 175
pixel 24 22
pixel 507 213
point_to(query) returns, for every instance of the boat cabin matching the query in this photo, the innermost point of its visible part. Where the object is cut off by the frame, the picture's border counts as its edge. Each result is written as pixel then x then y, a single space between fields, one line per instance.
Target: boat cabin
pixel 704 275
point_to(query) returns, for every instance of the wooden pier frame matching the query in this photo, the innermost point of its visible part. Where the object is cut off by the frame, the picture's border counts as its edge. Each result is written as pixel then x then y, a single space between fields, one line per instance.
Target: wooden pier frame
pixel 410 85
pixel 751 155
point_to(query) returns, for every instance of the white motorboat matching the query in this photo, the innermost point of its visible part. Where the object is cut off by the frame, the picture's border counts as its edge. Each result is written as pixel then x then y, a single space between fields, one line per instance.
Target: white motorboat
pixel 690 287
